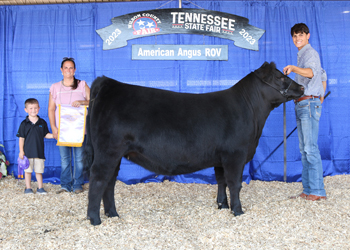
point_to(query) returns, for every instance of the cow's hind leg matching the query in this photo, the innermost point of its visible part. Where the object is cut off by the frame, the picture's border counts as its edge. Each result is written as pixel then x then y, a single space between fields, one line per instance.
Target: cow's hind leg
pixel 108 196
pixel 222 196
pixel 103 170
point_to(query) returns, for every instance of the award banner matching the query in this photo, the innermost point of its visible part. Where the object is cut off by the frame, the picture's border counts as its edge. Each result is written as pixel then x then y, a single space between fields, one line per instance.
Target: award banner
pixel 71 126
pixel 179 52
pixel 175 21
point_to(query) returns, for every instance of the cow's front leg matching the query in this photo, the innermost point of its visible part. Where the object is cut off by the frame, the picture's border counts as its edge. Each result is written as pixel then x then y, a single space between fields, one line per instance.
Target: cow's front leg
pixel 235 188
pixel 222 196
pixel 233 169
pixel 108 196
pixel 234 182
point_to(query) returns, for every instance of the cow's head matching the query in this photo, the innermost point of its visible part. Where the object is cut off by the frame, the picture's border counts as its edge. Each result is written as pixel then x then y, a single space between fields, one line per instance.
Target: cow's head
pixel 286 87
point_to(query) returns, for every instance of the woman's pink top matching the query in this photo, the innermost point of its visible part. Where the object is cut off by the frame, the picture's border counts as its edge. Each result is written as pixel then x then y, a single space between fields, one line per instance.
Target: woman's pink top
pixel 65 95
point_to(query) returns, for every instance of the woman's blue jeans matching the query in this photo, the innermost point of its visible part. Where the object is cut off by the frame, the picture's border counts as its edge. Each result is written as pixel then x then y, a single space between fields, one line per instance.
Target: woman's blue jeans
pixel 71 179
pixel 308 113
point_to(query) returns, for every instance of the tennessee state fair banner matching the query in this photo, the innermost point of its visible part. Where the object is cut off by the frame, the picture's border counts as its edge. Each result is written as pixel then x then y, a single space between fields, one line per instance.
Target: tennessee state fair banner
pixel 71 125
pixel 180 21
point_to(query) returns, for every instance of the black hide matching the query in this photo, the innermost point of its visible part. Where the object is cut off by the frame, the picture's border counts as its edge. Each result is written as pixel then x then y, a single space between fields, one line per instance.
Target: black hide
pixel 173 133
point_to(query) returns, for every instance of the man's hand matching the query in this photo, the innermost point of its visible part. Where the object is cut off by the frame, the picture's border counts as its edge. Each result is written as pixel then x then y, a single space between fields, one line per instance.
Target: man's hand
pixel 322 99
pixel 288 69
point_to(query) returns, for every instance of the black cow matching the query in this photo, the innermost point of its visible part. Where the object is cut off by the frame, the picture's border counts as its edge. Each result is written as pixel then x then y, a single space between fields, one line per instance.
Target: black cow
pixel 173 133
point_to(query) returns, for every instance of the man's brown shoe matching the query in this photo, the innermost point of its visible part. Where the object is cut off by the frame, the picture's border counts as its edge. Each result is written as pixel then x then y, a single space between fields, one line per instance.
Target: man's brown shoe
pixel 302 195
pixel 312 197
pixel 61 191
pixel 78 191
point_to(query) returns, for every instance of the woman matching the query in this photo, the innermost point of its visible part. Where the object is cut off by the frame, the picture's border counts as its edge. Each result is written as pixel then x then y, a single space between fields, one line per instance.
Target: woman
pixel 68 91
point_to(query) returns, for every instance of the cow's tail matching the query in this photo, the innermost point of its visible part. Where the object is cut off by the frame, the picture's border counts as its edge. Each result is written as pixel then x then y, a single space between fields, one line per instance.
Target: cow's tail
pixel 89 150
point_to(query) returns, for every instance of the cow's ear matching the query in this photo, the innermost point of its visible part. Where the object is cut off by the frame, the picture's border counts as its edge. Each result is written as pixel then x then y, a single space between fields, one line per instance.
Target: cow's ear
pixel 265 69
pixel 273 65
pixel 264 64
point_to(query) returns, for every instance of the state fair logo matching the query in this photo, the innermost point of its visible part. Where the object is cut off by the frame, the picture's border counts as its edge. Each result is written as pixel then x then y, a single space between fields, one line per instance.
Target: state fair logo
pixel 145 26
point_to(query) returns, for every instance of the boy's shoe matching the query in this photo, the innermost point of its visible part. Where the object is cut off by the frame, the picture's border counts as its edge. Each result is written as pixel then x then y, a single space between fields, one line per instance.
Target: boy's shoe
pixel 28 191
pixel 41 191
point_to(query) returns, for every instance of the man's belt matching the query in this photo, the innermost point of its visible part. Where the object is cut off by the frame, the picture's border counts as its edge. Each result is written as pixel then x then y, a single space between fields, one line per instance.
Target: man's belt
pixel 307 97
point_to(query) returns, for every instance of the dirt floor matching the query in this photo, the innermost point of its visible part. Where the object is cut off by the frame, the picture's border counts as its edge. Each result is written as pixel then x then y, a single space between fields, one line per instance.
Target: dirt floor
pixel 171 215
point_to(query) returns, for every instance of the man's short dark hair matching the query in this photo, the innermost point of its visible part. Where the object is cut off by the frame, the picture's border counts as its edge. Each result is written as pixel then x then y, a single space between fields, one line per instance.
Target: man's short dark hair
pixel 31 101
pixel 299 28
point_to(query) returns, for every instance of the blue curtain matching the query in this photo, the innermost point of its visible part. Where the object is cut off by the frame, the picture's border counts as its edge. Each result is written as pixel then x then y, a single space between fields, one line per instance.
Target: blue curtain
pixel 34 39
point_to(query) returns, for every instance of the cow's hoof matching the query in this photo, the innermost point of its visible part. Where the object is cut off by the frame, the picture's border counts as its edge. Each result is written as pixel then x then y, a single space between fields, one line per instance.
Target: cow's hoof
pixel 112 214
pixel 223 206
pixel 237 213
pixel 94 222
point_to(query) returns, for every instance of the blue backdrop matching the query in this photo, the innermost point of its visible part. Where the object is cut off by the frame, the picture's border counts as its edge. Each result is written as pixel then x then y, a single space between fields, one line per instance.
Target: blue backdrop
pixel 34 39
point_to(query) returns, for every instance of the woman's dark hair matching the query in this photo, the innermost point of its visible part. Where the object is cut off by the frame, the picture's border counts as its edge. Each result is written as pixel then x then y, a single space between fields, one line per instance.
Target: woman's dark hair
pixel 299 28
pixel 70 59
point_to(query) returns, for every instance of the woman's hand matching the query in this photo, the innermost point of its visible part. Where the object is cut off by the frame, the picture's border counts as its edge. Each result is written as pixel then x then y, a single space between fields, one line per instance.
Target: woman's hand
pixel 54 132
pixel 80 103
pixel 76 104
pixel 83 102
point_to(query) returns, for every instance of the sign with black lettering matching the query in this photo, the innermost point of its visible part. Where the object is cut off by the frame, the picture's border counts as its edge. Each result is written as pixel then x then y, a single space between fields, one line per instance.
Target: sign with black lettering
pixel 180 52
pixel 180 21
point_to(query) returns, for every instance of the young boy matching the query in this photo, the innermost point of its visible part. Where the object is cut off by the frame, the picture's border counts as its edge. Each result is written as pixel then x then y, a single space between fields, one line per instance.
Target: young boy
pixel 31 133
pixel 308 73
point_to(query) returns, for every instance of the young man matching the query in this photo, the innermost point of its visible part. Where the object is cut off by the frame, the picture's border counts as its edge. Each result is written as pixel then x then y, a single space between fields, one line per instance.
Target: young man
pixel 308 112
pixel 31 133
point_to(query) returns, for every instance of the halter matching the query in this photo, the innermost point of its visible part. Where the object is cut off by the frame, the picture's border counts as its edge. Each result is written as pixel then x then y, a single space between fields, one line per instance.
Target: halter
pixel 282 92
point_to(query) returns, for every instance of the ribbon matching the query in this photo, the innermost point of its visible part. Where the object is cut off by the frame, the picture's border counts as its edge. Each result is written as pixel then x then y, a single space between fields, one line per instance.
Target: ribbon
pixel 22 165
pixel 71 126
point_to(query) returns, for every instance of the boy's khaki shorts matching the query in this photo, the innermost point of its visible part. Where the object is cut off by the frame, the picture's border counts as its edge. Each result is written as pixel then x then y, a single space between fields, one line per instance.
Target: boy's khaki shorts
pixel 38 165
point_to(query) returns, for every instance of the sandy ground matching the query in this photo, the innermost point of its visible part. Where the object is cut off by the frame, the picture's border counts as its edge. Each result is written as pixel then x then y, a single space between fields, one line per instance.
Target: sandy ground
pixel 171 215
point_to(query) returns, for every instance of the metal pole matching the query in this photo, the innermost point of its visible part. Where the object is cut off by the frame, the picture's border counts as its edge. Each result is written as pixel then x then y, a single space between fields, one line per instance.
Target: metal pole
pixel 180 4
pixel 285 141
